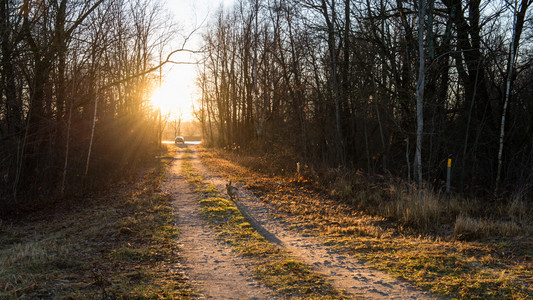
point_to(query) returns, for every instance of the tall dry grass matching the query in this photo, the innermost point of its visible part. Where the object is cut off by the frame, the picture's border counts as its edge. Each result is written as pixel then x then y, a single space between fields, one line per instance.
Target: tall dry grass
pixel 397 201
pixel 460 216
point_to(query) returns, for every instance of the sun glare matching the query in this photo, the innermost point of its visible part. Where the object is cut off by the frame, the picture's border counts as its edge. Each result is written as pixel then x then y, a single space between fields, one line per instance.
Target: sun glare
pixel 175 96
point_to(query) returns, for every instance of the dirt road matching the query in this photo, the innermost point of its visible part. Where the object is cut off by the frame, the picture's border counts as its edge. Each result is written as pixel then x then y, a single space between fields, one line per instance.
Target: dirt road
pixel 221 274
pixel 215 271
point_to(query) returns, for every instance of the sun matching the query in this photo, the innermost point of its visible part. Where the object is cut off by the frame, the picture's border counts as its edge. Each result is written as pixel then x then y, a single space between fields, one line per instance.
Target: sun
pixel 161 100
pixel 175 95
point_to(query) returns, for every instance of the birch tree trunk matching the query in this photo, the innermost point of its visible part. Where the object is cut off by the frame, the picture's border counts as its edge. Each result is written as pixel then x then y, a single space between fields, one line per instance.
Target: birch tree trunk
pixel 519 16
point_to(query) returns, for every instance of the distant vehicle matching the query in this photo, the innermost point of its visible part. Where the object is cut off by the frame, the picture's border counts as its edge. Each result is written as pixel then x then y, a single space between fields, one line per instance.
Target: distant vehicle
pixel 179 140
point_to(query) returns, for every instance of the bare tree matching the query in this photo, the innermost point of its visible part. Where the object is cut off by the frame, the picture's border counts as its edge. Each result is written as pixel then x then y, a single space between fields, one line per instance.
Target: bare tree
pixel 76 68
pixel 519 15
pixel 420 97
pixel 339 83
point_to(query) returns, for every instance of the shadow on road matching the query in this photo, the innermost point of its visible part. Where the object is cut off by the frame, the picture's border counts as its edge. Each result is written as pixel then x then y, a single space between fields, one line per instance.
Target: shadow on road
pixel 256 225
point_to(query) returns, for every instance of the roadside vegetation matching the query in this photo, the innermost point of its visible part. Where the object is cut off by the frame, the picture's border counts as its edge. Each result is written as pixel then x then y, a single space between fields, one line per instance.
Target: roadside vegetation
pixel 446 246
pixel 285 275
pixel 115 243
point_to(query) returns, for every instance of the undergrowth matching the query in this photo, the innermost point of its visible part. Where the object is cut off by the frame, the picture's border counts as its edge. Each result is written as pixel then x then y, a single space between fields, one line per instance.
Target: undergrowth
pixel 285 275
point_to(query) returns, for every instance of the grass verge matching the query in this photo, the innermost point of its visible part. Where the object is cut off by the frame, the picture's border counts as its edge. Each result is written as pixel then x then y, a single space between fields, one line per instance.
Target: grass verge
pixel 118 243
pixel 442 262
pixel 285 275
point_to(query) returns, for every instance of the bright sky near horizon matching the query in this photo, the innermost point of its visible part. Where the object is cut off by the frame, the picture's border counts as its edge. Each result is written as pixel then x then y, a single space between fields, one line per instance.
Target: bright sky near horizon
pixel 178 89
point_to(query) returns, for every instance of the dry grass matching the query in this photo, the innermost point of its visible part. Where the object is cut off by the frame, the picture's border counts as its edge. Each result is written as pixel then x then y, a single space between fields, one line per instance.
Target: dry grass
pixel 382 222
pixel 394 200
pixel 475 228
pixel 117 243
pixel 400 203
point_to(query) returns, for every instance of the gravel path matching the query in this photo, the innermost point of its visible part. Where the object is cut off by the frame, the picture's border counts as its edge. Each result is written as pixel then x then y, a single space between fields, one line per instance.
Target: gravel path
pixel 211 265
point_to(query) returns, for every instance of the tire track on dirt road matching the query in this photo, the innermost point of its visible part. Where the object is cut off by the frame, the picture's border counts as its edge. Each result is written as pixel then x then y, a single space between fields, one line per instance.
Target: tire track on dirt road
pixel 211 265
pixel 345 272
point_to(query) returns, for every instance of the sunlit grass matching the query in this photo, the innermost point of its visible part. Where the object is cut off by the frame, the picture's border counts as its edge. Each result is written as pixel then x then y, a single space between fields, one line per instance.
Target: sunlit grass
pixel 273 266
pixel 446 263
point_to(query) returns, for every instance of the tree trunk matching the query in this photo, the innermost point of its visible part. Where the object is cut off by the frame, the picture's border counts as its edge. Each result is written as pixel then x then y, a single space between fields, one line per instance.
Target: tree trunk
pixel 519 17
pixel 13 113
pixel 67 150
pixel 330 23
pixel 92 133
pixel 420 97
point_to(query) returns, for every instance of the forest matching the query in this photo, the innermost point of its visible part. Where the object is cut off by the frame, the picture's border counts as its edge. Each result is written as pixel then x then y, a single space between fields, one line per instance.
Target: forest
pixel 335 149
pixel 75 78
pixel 385 87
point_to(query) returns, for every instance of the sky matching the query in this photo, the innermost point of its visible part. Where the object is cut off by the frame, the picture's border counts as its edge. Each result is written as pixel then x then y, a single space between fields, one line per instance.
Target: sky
pixel 178 90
